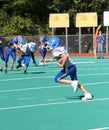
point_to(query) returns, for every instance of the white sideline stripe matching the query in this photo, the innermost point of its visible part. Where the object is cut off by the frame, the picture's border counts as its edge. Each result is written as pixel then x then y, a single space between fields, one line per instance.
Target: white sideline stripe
pixel 2 80
pixel 103 128
pixel 96 83
pixel 86 62
pixel 93 74
pixel 50 104
pixel 95 69
pixel 86 69
pixel 26 89
pixel 56 99
pixel 28 98
pixel 25 78
pixel 49 87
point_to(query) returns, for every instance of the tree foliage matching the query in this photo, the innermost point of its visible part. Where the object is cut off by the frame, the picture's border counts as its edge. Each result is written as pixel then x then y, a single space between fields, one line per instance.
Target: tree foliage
pixel 31 17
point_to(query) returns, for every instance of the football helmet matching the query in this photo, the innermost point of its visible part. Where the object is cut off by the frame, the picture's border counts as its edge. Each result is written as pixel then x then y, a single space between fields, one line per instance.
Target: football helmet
pixel 44 37
pixel 32 47
pixel 14 40
pixel 54 42
pixel 22 41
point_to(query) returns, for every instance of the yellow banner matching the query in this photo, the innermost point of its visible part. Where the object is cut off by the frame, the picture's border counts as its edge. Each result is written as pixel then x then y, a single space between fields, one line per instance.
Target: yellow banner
pixel 59 20
pixel 86 20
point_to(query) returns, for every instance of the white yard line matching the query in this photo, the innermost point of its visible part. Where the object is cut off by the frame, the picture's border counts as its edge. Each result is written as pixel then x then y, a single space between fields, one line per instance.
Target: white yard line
pixel 85 62
pixel 54 99
pixel 27 98
pixel 47 87
pixel 14 79
pixel 27 89
pixel 102 128
pixel 50 104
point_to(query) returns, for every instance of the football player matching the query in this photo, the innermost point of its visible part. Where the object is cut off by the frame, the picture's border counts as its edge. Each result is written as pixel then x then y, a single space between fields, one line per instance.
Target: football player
pixel 69 68
pixel 26 49
pixel 11 51
pixel 42 48
pixel 21 41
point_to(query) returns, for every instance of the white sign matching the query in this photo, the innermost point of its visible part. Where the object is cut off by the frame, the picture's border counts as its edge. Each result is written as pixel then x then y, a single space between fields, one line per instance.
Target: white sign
pixel 106 18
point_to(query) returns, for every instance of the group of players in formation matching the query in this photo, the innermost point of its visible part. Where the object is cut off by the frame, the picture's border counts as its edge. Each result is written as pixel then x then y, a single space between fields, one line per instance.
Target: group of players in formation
pixel 27 52
pixel 59 53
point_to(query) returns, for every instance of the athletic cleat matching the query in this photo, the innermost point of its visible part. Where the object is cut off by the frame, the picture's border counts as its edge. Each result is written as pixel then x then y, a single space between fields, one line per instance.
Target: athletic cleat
pixel 5 70
pixel 25 71
pixel 1 69
pixel 87 96
pixel 75 85
pixel 41 64
pixel 18 66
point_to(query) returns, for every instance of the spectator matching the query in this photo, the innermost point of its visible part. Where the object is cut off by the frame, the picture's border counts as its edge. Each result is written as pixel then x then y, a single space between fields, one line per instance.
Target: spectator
pixel 100 41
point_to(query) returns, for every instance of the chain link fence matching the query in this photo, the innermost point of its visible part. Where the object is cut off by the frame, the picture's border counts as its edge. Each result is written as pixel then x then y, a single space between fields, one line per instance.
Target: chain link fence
pixel 73 42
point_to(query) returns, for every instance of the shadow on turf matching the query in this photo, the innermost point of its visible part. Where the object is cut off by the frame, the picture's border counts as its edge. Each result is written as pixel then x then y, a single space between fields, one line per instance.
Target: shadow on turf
pixel 35 72
pixel 77 97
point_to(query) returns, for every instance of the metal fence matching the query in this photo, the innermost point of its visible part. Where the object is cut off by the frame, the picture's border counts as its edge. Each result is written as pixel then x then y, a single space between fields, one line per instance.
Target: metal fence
pixel 73 42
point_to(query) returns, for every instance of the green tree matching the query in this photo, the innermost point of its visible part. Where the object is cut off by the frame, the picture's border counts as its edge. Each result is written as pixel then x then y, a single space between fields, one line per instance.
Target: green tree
pixel 31 17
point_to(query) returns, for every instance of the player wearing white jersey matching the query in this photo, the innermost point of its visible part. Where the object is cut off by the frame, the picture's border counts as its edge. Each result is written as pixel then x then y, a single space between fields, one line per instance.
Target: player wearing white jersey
pixel 69 68
pixel 26 49
pixel 21 41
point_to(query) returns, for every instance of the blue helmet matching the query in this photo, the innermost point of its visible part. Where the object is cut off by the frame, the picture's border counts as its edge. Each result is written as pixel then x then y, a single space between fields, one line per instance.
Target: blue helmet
pixel 44 37
pixel 32 47
pixel 14 40
pixel 22 41
pixel 54 42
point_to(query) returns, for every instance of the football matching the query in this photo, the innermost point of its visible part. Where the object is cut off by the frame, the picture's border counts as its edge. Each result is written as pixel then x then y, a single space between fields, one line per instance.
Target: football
pixel 60 61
